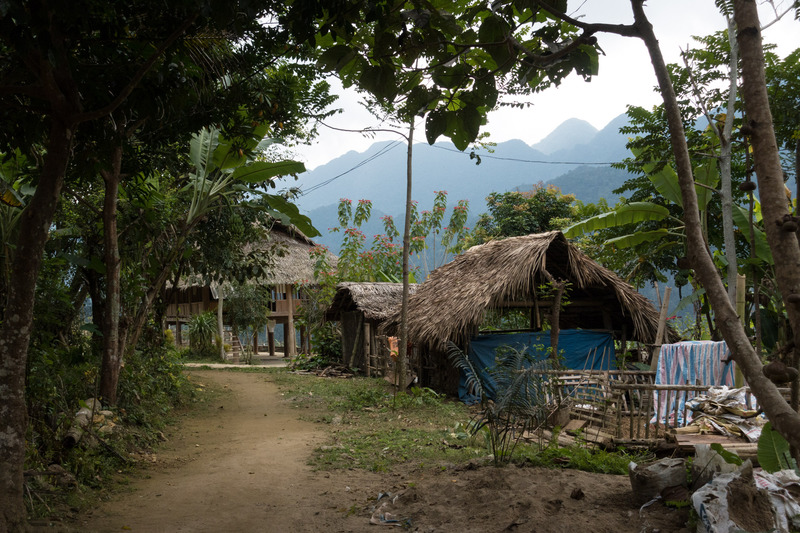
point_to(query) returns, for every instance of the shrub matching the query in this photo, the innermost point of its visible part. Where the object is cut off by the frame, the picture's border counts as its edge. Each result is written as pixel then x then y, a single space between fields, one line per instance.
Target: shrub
pixel 202 333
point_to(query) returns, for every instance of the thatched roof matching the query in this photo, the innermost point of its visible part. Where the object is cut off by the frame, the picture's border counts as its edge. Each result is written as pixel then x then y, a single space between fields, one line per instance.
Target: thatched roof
pixel 292 263
pixel 509 273
pixel 375 299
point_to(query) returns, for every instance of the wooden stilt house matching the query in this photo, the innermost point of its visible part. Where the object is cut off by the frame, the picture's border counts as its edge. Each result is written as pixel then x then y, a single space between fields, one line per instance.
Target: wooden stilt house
pixel 293 267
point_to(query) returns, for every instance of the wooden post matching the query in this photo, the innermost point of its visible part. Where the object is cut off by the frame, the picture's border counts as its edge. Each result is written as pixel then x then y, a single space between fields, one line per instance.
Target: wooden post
pixel 555 317
pixel 220 325
pixel 271 337
pixel 289 349
pixel 624 340
pixel 351 362
pixel 662 326
pixel 303 339
pixel 738 377
pixel 367 349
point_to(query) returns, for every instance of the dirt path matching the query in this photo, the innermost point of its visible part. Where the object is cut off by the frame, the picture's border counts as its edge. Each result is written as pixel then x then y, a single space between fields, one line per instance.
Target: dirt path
pixel 241 467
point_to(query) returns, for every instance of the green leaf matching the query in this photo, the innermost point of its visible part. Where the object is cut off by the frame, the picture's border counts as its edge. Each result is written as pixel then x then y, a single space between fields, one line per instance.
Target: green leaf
pixel 486 88
pixel 631 213
pixel 493 35
pixel 728 457
pixel 419 98
pixel 336 57
pixel 467 127
pixel 741 217
pixel 289 214
pixel 201 150
pixel 91 328
pixel 666 183
pixel 435 125
pixel 773 451
pixel 225 156
pixel 380 81
pixel 707 174
pixel 689 299
pixel 450 77
pixel 261 171
pixel 635 239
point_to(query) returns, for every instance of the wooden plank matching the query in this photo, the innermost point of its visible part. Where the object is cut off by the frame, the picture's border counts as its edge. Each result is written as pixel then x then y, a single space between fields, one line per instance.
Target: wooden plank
pixel 686 443
pixel 650 386
pixel 574 425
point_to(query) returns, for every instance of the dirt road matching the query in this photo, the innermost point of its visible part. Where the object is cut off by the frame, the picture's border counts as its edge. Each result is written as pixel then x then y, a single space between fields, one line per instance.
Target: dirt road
pixel 240 466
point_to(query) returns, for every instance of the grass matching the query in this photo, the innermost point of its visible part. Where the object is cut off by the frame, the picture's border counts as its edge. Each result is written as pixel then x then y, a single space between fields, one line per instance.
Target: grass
pixel 374 429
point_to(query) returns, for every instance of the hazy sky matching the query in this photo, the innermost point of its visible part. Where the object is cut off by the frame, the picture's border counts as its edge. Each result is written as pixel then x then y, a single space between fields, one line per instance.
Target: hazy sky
pixel 625 77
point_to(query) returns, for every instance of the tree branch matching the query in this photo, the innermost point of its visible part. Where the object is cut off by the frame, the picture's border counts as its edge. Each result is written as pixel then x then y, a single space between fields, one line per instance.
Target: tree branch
pixel 626 30
pixel 137 78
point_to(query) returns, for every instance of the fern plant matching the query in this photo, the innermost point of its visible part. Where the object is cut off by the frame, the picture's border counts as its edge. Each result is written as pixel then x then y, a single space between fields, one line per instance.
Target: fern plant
pixel 515 397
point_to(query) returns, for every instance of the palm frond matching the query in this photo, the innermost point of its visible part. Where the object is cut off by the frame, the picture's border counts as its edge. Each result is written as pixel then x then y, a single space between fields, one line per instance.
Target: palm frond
pixel 462 362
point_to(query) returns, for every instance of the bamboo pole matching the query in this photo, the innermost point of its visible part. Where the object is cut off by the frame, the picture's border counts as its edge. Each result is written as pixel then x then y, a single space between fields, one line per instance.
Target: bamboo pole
pixel 662 324
pixel 740 290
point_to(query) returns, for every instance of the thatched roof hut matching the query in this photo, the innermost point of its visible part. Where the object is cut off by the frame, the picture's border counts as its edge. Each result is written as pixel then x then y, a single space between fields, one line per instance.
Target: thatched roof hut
pixel 510 273
pixel 360 307
pixel 291 267
pixel 376 300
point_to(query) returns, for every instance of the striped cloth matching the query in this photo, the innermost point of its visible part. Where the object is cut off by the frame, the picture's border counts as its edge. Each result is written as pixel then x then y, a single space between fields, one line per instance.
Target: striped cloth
pixel 689 363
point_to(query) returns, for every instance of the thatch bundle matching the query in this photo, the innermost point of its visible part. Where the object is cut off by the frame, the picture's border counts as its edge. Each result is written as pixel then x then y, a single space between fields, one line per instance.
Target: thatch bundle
pixel 376 300
pixel 511 273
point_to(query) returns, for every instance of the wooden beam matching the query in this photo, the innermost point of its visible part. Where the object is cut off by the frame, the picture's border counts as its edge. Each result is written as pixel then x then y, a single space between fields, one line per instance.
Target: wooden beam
pixel 662 325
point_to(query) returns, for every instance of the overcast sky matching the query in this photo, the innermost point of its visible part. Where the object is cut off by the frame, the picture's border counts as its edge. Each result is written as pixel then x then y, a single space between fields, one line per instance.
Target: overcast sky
pixel 625 77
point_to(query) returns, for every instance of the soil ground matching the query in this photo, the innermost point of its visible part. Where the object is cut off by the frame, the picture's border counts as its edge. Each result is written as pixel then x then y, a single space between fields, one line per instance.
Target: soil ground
pixel 241 466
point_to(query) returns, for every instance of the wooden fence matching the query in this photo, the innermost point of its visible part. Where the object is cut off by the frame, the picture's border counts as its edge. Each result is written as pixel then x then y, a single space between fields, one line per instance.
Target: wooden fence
pixel 625 406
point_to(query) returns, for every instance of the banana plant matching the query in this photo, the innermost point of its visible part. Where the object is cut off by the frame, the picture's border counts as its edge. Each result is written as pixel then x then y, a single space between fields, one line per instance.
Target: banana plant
pixel 224 167
pixel 665 181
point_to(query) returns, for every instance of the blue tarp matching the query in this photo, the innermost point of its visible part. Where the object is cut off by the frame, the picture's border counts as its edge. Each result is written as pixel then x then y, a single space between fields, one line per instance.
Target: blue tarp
pixel 580 349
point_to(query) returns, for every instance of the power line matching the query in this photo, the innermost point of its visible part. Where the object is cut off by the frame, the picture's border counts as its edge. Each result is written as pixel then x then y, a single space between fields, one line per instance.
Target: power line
pixel 538 161
pixel 394 144
pixel 382 151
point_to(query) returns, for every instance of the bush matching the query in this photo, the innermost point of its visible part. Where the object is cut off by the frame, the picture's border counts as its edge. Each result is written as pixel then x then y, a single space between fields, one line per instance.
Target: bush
pixel 60 380
pixel 327 342
pixel 202 330
pixel 150 384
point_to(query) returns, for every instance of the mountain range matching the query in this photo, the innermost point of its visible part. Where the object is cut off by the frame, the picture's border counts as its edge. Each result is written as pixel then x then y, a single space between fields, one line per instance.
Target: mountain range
pixel 575 157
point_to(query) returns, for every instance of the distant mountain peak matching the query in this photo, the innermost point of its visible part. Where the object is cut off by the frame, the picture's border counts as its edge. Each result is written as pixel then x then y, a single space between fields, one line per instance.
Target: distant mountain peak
pixel 571 132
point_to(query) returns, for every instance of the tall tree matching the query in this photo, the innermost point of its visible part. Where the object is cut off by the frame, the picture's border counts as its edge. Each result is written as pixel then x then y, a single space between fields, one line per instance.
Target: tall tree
pixel 65 67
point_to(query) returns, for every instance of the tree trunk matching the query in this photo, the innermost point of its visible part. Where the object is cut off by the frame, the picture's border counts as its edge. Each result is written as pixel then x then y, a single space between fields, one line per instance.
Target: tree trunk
pixel 785 420
pixel 15 331
pixel 112 356
pixel 402 347
pixel 156 284
pixel 726 185
pixel 767 163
